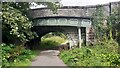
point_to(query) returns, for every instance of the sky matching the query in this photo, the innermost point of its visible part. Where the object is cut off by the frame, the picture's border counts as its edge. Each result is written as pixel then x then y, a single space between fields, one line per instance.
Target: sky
pixel 85 2
pixel 80 2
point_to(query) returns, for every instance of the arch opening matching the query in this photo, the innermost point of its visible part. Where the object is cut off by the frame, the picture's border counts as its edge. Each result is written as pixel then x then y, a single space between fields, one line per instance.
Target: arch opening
pixel 53 40
pixel 69 32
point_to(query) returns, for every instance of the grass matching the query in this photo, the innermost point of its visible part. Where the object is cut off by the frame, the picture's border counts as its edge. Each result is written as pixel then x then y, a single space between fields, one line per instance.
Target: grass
pixel 51 42
pixel 26 56
pixel 46 43
pixel 101 54
pixel 24 63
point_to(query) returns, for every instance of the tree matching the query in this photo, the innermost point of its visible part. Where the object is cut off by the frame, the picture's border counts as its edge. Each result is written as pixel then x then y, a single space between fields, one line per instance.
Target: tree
pixel 16 27
pixel 25 6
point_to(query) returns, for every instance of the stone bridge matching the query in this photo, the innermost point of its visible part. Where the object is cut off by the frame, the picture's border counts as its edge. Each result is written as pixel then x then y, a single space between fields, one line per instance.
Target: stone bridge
pixel 73 27
pixel 73 21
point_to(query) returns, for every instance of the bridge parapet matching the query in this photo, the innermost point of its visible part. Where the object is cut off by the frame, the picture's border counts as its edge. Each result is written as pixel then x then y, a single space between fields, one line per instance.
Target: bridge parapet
pixel 72 11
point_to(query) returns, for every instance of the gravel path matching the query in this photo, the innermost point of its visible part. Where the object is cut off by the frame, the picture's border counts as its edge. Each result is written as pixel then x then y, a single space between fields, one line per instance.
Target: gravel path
pixel 48 58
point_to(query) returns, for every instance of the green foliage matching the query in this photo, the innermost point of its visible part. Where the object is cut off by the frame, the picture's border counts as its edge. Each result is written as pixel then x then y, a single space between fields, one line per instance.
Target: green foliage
pixel 12 54
pixel 21 6
pixel 98 55
pixel 98 19
pixel 113 18
pixel 110 28
pixel 15 25
pixel 53 6
pixel 51 34
pixel 25 6
pixel 114 23
pixel 51 42
pixel 109 46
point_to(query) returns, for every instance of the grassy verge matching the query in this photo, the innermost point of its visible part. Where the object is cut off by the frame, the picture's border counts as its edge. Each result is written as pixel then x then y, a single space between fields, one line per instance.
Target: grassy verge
pixel 16 55
pixel 101 54
pixel 27 62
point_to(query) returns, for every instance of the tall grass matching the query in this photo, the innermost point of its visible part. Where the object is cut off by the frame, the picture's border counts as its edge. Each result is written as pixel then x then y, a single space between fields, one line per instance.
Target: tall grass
pixel 51 42
pixel 13 55
pixel 101 54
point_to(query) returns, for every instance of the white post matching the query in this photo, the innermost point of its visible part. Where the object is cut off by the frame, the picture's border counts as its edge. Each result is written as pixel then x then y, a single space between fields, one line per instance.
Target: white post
pixel 79 37
pixel 70 44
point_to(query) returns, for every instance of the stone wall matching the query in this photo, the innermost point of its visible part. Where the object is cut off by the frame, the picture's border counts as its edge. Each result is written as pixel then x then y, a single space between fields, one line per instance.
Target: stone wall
pixel 72 11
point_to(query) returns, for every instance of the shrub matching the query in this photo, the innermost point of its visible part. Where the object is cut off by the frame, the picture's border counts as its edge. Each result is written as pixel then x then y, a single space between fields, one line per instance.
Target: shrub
pixel 102 54
pixel 16 28
pixel 12 54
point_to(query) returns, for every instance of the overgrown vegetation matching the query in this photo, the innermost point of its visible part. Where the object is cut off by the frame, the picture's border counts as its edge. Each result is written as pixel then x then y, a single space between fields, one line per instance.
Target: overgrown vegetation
pixel 101 54
pixel 97 22
pixel 51 42
pixel 16 27
pixel 16 31
pixel 51 34
pixel 106 28
pixel 104 51
pixel 16 55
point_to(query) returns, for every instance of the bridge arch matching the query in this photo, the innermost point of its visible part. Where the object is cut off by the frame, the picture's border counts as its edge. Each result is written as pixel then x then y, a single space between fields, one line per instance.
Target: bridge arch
pixel 69 32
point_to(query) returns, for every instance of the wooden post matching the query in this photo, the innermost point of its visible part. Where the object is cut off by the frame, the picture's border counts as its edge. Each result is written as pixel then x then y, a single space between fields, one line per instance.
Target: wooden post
pixel 79 37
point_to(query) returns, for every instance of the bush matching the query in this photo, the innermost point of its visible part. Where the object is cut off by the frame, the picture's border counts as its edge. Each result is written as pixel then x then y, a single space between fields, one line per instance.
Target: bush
pixel 16 28
pixel 12 54
pixel 104 54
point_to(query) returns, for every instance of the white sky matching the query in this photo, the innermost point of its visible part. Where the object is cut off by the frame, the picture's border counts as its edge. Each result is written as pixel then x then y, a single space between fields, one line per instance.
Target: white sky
pixel 85 2
pixel 79 2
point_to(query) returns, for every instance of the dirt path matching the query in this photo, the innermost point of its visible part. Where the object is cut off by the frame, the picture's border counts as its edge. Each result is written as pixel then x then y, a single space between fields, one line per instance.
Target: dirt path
pixel 48 58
